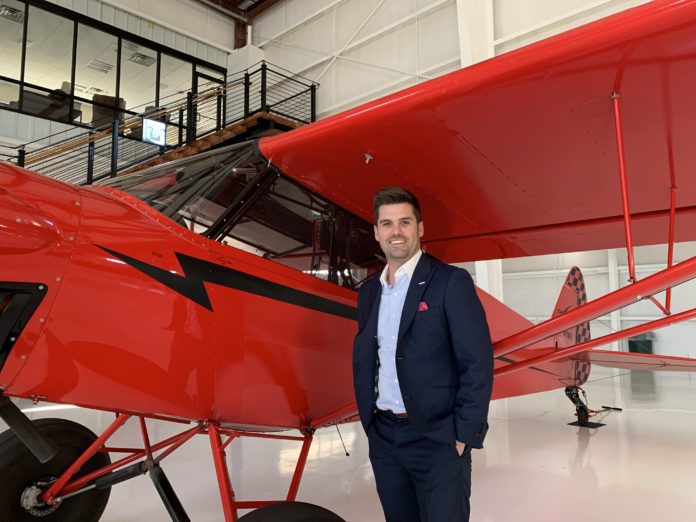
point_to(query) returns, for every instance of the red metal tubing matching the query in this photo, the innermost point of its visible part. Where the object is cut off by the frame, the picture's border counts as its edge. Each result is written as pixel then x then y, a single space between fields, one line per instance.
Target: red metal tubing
pixel 260 435
pixel 652 325
pixel 659 304
pixel 255 504
pixel 229 440
pixel 229 506
pixel 181 440
pixel 136 454
pixel 146 438
pixel 651 285
pixel 299 468
pixel 670 247
pixel 624 187
pixel 51 493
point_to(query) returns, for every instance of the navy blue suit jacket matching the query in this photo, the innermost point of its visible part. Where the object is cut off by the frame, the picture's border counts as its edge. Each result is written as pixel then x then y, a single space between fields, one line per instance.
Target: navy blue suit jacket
pixel 444 358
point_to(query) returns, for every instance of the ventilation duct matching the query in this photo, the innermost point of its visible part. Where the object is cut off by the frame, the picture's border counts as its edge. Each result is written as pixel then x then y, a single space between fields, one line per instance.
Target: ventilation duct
pixel 10 13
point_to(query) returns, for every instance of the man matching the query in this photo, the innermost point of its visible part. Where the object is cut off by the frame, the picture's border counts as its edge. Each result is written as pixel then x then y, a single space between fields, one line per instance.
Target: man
pixel 423 371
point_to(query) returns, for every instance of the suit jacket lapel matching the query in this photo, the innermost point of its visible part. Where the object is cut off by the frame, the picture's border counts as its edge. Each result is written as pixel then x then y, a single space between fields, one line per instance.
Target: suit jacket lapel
pixel 418 284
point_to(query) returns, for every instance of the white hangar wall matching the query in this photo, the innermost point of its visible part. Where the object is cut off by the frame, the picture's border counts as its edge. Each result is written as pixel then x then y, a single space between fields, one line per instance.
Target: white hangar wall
pixel 359 50
pixel 183 25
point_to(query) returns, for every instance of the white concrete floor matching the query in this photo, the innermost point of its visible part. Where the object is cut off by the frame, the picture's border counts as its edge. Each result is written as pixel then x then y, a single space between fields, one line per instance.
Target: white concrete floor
pixel 535 467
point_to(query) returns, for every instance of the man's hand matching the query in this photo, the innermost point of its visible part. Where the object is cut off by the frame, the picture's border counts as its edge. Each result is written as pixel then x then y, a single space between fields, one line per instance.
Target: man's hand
pixel 460 448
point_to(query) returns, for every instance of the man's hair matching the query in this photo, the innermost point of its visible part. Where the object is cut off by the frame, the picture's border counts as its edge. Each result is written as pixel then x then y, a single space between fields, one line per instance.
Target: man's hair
pixel 392 196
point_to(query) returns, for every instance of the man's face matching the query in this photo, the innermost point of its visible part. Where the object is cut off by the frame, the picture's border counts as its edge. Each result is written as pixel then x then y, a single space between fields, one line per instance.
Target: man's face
pixel 398 232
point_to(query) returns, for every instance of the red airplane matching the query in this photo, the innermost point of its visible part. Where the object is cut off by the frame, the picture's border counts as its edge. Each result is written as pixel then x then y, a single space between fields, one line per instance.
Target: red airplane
pixel 219 291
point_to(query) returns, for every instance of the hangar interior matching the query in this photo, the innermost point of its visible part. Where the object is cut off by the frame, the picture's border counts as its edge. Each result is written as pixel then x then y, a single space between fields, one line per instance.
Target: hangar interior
pixel 534 466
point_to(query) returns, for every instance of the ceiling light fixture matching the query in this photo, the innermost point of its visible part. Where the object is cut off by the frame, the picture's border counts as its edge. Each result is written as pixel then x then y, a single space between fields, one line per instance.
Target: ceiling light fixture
pixel 142 59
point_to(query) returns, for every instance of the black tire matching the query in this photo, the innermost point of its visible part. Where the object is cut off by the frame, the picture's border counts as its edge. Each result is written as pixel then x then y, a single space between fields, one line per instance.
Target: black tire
pixel 583 415
pixel 291 512
pixel 19 470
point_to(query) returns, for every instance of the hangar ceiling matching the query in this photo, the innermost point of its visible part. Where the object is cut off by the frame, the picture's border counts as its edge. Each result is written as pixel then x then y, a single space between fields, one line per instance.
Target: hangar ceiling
pixel 242 11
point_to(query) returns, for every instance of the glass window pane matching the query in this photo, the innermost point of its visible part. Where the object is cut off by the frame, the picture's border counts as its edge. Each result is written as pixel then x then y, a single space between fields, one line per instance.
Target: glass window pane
pixel 53 104
pixel 175 79
pixel 196 191
pixel 206 83
pixel 49 50
pixel 11 34
pixel 292 226
pixel 138 76
pixel 9 94
pixel 95 73
pixel 210 72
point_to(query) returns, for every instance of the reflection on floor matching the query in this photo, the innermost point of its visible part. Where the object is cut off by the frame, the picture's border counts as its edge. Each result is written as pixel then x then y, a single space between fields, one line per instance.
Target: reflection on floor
pixel 638 467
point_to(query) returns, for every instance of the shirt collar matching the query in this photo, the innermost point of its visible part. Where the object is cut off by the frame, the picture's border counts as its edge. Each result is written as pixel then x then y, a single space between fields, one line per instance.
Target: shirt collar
pixel 407 268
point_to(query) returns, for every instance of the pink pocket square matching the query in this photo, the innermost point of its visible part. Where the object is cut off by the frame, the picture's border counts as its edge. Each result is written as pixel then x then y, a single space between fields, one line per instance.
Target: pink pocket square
pixel 422 306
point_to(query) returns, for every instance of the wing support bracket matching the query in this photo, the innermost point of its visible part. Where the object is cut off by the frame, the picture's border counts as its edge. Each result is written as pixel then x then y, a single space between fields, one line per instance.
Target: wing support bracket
pixel 624 186
pixel 229 502
pixel 606 339
pixel 666 308
pixel 639 290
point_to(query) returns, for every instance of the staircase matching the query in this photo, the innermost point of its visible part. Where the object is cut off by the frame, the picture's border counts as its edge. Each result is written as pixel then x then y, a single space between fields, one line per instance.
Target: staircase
pixel 259 125
pixel 261 101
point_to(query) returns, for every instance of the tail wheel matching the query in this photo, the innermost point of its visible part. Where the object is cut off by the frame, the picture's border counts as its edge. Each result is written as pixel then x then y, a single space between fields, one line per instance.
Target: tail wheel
pixel 291 512
pixel 25 478
pixel 583 414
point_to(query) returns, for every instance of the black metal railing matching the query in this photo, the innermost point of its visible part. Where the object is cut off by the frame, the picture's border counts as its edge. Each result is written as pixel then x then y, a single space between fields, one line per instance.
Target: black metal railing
pixel 102 152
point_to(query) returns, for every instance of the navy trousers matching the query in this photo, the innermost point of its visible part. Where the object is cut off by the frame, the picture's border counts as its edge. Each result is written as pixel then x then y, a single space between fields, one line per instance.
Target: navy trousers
pixel 418 479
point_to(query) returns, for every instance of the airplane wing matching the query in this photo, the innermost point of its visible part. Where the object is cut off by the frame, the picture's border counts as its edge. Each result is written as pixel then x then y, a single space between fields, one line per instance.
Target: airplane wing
pixel 640 361
pixel 518 155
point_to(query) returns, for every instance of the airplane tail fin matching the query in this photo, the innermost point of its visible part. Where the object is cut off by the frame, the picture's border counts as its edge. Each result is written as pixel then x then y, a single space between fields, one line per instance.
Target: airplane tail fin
pixel 572 295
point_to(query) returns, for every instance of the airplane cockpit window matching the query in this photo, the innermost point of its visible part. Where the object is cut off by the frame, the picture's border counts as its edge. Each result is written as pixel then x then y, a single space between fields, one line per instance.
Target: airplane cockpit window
pixel 195 192
pixel 234 196
pixel 291 225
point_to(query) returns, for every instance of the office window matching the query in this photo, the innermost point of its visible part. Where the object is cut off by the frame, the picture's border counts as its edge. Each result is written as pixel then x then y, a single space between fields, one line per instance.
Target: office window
pixel 175 79
pixel 208 78
pixel 138 76
pixel 49 50
pixel 9 94
pixel 95 76
pixel 207 81
pixel 11 35
pixel 66 69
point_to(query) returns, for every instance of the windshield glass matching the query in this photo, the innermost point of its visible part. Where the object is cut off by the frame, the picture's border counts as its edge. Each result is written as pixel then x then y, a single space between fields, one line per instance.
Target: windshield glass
pixel 233 195
pixel 196 192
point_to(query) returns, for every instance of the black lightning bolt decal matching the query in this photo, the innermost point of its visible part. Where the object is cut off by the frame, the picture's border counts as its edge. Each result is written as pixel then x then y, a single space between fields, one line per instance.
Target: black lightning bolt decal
pixel 197 271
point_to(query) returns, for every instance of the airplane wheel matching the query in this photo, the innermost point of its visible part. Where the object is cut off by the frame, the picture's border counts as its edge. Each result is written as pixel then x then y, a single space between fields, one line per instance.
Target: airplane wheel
pixel 24 478
pixel 291 512
pixel 583 415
